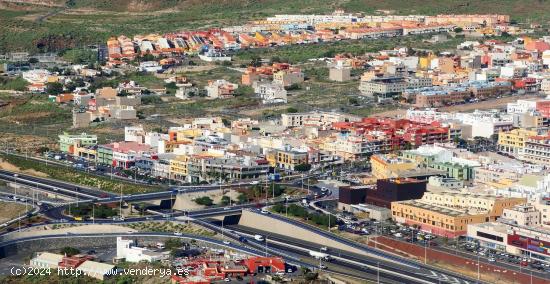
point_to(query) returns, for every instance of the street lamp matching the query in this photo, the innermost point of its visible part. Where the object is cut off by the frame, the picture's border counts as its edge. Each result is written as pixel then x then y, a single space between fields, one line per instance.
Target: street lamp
pixel 15 188
pixel 378 272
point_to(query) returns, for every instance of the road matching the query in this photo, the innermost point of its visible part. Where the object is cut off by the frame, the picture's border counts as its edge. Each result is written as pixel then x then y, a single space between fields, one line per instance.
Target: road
pixel 344 262
pixel 429 270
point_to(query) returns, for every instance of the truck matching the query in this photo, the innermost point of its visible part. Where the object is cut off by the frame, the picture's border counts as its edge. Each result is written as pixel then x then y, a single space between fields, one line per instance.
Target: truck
pixel 319 255
pixel 259 238
pixel 274 177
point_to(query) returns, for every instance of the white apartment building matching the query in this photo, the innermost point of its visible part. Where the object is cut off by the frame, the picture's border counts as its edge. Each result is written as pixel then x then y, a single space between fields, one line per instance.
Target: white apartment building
pixel 270 93
pixel 523 215
pixel 126 249
pixel 315 118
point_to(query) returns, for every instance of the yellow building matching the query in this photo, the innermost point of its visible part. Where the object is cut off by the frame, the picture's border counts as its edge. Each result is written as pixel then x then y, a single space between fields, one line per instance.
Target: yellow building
pixel 188 134
pixel 87 152
pixel 389 166
pixel 513 141
pixel 290 159
pixel 425 62
pixel 178 167
pixel 449 213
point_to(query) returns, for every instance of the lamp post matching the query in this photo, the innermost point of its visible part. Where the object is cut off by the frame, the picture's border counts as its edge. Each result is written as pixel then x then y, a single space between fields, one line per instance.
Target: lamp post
pixel 378 272
pixel 15 187
pixel 426 252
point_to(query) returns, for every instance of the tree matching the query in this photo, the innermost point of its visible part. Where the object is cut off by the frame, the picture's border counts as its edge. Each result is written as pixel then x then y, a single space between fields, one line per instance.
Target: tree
pixel 458 30
pixel 293 87
pixel 225 200
pixel 172 244
pixel 69 251
pixel 291 110
pixel 302 167
pixel 256 61
pixel 244 91
pixel 54 88
pixel 242 198
pixel 205 200
pixel 33 60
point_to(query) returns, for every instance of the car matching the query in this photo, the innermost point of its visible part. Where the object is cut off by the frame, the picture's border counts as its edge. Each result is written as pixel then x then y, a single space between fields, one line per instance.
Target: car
pixel 227 279
pixel 263 211
pixel 398 235
pixel 226 208
pixel 178 233
pixel 227 242
pixel 322 267
pixel 491 259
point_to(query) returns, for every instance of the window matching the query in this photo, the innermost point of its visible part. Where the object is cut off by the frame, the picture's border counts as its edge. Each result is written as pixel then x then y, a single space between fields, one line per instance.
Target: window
pixel 489 236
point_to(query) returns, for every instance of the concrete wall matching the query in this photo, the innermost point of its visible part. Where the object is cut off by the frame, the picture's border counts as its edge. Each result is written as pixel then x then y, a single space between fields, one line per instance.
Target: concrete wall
pixel 76 229
pixel 268 224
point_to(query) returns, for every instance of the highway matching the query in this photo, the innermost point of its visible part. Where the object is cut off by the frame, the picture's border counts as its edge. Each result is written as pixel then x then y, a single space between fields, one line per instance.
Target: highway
pixel 371 270
pixel 98 196
pixel 427 273
pixel 425 269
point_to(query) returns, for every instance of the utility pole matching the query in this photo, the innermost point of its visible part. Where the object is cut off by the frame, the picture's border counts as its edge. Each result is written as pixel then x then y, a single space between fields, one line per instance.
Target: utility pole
pixel 120 203
pixel 478 275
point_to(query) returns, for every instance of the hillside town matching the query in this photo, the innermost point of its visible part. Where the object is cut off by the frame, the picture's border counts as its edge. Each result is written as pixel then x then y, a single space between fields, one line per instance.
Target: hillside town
pixel 425 162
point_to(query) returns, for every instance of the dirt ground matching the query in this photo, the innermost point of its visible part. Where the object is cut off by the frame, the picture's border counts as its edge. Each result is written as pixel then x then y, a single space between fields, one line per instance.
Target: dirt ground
pixel 12 168
pixel 185 202
pixel 10 210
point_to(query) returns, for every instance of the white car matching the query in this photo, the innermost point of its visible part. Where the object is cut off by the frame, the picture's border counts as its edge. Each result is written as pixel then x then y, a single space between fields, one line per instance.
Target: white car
pixel 227 242
pixel 398 235
pixel 491 259
pixel 178 233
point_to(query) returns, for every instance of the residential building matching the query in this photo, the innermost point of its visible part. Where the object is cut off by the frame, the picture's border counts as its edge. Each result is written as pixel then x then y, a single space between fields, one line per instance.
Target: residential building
pixel 388 87
pixel 289 158
pixel 220 89
pixel 270 93
pixel 68 142
pixel 449 213
pixel 537 150
pixel 389 166
pixel 444 183
pixel 288 77
pixel 523 215
pixel 340 74
pixel 513 142
pixel 318 118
